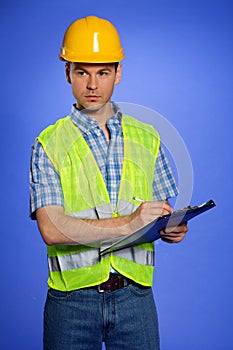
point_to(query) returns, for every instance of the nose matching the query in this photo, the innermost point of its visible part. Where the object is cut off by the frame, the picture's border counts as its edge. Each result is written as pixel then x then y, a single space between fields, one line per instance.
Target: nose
pixel 92 82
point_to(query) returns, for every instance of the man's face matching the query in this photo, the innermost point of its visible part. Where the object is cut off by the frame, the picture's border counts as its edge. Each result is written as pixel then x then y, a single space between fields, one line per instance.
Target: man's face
pixel 92 83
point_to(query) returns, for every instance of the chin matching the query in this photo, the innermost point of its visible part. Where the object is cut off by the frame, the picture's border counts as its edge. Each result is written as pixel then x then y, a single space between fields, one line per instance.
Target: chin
pixel 92 107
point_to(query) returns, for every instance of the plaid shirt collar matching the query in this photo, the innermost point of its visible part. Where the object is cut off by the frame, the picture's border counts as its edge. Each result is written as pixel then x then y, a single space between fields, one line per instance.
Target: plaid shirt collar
pixel 87 124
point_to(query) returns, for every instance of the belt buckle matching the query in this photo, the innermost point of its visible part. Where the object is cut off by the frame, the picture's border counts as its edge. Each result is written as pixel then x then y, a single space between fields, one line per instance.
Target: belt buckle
pixel 113 283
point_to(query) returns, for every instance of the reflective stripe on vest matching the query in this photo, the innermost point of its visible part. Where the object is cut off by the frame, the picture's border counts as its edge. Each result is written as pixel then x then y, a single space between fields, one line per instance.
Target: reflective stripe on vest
pixel 73 267
pixel 137 255
pixel 91 257
pixel 105 211
pixel 73 261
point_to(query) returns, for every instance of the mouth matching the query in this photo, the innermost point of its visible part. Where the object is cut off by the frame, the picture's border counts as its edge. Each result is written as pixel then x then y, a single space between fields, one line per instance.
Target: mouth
pixel 92 97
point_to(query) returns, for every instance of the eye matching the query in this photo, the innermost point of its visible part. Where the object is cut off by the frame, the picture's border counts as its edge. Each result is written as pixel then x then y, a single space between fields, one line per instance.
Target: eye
pixel 81 73
pixel 103 73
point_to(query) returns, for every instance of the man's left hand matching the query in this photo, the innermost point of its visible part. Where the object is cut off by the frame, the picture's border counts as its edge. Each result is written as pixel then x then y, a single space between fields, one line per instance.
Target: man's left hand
pixel 174 234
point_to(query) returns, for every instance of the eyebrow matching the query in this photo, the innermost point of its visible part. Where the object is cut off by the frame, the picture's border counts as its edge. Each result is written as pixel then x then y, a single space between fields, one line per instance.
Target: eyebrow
pixel 86 70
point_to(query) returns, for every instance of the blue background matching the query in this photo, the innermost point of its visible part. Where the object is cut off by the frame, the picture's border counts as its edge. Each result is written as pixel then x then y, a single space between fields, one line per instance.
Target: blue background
pixel 178 62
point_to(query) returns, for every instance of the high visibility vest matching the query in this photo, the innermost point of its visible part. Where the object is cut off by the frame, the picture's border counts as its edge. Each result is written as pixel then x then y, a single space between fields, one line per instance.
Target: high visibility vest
pixel 86 196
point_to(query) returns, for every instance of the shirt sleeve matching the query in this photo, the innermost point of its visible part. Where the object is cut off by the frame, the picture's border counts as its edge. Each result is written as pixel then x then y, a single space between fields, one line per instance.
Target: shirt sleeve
pixel 164 185
pixel 45 185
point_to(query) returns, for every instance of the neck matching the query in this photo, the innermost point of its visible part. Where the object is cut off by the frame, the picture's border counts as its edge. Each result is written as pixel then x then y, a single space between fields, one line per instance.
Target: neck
pixel 101 113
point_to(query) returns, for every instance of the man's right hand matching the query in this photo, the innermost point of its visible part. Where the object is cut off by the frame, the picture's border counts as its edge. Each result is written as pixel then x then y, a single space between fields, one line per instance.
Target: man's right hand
pixel 147 212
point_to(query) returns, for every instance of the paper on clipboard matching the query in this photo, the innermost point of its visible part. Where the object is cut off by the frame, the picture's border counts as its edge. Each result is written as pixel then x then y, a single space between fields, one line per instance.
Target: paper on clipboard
pixel 150 232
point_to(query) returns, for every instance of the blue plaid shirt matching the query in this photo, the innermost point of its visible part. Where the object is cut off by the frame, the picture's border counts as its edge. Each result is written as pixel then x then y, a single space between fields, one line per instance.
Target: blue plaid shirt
pixel 45 183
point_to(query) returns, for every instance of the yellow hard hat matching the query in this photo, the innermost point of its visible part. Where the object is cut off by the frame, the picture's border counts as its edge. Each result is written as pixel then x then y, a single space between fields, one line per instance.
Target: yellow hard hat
pixel 91 40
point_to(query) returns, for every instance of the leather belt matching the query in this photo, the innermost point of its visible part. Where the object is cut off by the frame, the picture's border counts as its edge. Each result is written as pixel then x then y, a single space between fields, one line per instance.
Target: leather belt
pixel 114 282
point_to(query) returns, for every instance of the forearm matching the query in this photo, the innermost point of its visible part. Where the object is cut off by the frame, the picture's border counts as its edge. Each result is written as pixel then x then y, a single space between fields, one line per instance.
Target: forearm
pixel 58 228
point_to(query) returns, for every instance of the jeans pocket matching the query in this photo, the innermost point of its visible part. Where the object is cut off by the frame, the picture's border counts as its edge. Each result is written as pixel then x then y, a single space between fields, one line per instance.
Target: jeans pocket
pixel 59 295
pixel 140 290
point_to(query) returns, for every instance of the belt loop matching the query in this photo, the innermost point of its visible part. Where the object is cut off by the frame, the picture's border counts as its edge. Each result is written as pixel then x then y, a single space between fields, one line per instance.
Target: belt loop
pixel 126 282
pixel 99 288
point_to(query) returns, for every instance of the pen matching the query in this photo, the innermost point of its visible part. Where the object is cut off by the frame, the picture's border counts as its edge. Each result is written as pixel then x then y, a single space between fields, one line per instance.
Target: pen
pixel 138 199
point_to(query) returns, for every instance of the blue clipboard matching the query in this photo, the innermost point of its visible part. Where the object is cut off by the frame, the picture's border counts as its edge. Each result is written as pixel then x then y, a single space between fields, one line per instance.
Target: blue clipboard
pixel 150 232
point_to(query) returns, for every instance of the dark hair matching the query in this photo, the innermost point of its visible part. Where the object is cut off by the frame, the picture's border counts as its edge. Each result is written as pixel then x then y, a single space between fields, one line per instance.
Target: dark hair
pixel 116 65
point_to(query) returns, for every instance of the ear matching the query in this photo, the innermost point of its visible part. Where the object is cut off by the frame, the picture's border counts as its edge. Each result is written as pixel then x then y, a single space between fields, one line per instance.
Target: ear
pixel 118 74
pixel 67 70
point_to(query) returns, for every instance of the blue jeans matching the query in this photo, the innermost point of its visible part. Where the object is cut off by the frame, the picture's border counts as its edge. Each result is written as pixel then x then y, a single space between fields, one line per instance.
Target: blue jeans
pixel 125 319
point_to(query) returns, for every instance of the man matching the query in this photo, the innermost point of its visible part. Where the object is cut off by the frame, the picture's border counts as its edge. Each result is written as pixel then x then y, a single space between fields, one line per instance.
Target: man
pixel 87 171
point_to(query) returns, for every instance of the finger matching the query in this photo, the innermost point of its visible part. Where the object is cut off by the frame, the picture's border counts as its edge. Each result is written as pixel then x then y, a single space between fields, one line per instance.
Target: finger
pixel 173 238
pixel 176 229
pixel 173 235
pixel 160 208
pixel 166 209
